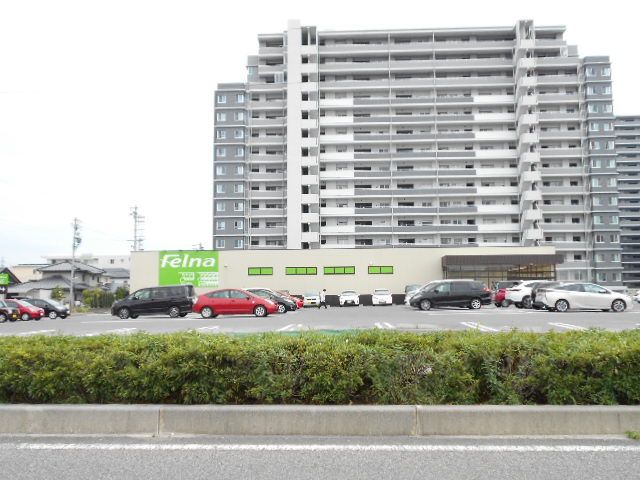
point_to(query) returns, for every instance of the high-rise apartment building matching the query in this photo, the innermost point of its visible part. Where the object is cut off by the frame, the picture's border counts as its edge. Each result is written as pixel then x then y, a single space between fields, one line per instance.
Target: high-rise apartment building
pixel 628 150
pixel 494 136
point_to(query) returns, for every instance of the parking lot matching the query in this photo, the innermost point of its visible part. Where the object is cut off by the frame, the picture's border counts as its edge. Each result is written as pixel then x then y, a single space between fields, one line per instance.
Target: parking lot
pixel 488 319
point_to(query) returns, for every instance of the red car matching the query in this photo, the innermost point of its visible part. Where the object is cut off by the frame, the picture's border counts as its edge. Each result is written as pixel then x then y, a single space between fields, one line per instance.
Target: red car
pixel 233 301
pixel 500 292
pixel 298 300
pixel 27 311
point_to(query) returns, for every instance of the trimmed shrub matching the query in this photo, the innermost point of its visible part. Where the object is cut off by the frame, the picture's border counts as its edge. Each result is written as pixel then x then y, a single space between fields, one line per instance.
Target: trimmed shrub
pixel 371 367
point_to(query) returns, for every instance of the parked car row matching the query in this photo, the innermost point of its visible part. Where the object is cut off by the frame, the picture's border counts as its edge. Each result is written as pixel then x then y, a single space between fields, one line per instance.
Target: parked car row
pixel 180 300
pixel 31 309
pixel 560 296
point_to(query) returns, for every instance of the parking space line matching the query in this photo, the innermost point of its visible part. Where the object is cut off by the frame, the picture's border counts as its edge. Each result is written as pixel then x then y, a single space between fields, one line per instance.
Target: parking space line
pixel 118 331
pixel 384 326
pixel 207 329
pixel 291 327
pixel 34 332
pixel 568 326
pixel 477 326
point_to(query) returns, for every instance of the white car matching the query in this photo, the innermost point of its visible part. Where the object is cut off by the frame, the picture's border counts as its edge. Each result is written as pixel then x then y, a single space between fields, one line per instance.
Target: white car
pixel 583 296
pixel 381 296
pixel 520 295
pixel 636 297
pixel 349 297
pixel 311 299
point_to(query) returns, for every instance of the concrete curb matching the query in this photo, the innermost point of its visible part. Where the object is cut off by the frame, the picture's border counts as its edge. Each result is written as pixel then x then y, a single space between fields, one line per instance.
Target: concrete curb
pixel 401 420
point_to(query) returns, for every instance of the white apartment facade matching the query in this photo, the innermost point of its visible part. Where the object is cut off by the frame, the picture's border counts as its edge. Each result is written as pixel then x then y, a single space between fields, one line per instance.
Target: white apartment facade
pixel 498 136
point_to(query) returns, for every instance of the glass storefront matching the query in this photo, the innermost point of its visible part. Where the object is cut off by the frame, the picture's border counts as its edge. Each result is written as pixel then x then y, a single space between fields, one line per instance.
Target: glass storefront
pixel 490 270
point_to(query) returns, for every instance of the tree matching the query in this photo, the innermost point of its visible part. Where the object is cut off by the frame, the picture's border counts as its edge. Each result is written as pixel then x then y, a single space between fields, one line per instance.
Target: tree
pixel 121 292
pixel 58 293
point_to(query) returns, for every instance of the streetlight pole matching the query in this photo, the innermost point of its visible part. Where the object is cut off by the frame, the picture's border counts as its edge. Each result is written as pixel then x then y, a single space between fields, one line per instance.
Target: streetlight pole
pixel 76 243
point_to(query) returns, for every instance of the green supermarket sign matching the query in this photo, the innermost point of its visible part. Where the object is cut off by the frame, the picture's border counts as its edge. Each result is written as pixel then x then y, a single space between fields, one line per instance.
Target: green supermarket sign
pixel 4 279
pixel 197 268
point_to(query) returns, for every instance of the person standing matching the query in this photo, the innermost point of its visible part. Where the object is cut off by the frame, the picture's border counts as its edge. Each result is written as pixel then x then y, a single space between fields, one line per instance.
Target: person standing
pixel 323 298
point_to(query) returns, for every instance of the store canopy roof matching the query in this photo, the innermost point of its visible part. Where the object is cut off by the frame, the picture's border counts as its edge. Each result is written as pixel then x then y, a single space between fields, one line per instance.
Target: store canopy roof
pixel 531 259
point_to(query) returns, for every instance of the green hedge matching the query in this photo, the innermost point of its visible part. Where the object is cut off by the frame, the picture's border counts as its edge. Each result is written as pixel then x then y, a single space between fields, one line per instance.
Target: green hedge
pixel 372 367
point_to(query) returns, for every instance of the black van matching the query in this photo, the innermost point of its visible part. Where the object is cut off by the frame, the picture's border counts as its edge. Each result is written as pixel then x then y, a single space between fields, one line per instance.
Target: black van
pixel 452 293
pixel 175 301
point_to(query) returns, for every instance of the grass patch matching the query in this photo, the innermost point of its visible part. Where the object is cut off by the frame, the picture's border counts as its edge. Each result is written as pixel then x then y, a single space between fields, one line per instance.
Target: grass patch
pixel 633 435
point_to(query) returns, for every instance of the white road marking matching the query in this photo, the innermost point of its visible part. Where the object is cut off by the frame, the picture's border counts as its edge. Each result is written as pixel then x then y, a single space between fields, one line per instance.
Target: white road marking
pixel 291 327
pixel 478 326
pixel 324 447
pixel 34 332
pixel 118 331
pixel 568 326
pixel 207 329
pixel 384 326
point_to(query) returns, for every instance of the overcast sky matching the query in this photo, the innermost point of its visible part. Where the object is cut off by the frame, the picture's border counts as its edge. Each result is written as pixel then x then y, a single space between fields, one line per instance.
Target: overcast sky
pixel 108 104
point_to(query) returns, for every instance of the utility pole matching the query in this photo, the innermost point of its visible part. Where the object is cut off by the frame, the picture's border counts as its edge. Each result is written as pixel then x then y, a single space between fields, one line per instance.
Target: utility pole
pixel 138 234
pixel 76 243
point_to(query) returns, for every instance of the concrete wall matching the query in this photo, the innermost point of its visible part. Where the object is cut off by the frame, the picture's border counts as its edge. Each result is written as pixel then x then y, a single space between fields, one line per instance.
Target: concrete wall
pixel 411 265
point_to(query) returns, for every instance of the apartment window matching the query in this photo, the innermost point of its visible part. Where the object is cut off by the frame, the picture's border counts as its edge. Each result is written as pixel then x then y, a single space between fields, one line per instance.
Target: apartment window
pixel 220 207
pixel 614 238
pixel 221 152
pixel 221 170
pixel 597 219
pixel 238 188
pixel 220 242
pixel 380 270
pixel 238 116
pixel 612 182
pixel 240 98
pixel 260 271
pixel 613 201
pixel 239 151
pixel 595 182
pixel 601 276
pixel 220 225
pixel 591 72
pixel 301 270
pixel 238 224
pixel 221 134
pixel 607 108
pixel 599 238
pixel 239 169
pixel 238 133
pixel 238 243
pixel 614 220
pixel 597 201
pixel 606 72
pixel 238 206
pixel 221 117
pixel 220 188
pixel 339 270
pixel 222 99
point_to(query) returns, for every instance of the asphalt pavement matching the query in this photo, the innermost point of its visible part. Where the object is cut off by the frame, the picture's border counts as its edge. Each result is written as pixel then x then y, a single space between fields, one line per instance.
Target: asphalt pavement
pixel 73 457
pixel 397 317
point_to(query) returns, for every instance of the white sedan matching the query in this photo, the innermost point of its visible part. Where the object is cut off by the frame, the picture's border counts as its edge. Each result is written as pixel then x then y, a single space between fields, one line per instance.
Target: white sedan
pixel 583 296
pixel 311 299
pixel 349 297
pixel 381 296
